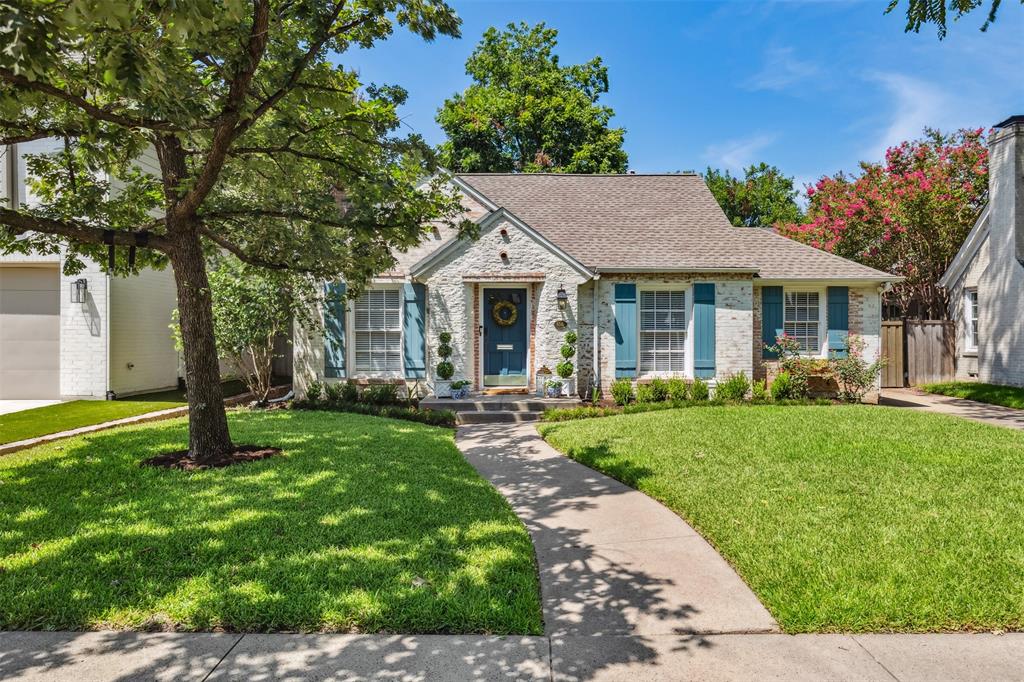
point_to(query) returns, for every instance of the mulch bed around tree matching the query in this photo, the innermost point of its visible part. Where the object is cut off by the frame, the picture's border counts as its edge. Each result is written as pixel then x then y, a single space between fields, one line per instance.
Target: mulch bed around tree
pixel 240 455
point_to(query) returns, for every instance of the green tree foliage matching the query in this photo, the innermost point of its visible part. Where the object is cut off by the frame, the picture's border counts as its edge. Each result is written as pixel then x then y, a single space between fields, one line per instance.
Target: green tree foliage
pixel 251 307
pixel 762 198
pixel 526 112
pixel 938 12
pixel 266 148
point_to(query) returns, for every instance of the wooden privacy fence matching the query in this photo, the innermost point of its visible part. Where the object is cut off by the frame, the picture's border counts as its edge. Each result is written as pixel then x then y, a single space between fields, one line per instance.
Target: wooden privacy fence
pixel 917 352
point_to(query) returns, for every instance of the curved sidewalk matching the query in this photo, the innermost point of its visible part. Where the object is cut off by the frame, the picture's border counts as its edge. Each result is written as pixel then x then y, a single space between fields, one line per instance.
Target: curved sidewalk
pixel 612 560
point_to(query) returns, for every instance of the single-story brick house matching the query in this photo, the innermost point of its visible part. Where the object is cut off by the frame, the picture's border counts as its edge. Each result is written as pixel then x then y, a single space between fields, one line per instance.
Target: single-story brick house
pixel 645 268
pixel 985 280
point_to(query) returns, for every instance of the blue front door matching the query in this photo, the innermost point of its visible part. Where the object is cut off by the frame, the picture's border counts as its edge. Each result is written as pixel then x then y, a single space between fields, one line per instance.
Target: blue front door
pixel 505 337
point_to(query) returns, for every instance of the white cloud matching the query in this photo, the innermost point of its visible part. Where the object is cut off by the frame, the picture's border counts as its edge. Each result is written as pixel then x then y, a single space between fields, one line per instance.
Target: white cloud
pixel 737 154
pixel 781 69
pixel 915 104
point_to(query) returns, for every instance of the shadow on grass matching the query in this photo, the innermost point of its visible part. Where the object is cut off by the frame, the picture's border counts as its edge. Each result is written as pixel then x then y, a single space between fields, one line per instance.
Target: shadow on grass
pixel 362 525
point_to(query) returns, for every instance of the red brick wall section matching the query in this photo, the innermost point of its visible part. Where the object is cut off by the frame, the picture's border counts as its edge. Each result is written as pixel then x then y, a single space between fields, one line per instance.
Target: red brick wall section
pixel 478 369
pixel 533 335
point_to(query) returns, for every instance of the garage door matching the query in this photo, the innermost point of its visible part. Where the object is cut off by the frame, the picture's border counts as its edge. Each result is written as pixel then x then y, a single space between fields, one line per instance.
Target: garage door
pixel 29 333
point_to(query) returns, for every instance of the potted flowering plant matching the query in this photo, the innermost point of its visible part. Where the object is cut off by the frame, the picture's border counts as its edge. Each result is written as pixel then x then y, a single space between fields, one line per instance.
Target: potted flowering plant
pixel 445 369
pixel 460 389
pixel 553 388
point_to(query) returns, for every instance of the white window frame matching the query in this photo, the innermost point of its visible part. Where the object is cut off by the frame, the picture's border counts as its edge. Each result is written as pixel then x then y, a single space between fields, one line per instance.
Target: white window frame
pixel 822 350
pixel 350 338
pixel 971 337
pixel 687 289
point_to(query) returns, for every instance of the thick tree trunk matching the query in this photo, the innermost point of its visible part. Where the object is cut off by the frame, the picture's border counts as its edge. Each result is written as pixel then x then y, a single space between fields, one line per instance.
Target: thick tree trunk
pixel 208 434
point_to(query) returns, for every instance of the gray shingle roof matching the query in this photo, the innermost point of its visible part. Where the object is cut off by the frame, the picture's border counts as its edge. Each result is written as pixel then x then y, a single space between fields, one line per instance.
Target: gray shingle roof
pixel 650 222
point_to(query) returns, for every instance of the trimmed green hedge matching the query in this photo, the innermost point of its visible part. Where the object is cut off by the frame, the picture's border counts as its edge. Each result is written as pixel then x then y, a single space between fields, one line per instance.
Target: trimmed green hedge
pixel 590 412
pixel 412 414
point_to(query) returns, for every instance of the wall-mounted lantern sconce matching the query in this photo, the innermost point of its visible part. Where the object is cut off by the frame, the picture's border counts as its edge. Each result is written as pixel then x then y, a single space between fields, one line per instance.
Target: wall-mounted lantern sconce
pixel 562 298
pixel 79 288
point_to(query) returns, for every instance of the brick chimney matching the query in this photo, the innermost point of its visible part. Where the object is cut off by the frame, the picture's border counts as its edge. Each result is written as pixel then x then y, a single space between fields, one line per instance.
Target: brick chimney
pixel 1006 187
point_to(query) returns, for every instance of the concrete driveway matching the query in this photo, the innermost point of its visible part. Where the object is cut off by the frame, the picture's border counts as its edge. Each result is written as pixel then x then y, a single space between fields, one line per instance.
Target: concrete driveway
pixel 9 406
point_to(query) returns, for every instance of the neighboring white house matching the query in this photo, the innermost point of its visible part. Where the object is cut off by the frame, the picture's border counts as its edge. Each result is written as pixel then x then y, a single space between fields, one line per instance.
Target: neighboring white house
pixel 645 268
pixel 52 347
pixel 986 278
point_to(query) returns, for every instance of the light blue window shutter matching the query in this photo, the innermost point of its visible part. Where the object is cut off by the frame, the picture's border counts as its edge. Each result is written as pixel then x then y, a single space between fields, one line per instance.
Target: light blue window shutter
pixel 334 330
pixel 838 316
pixel 704 330
pixel 771 319
pixel 625 330
pixel 414 340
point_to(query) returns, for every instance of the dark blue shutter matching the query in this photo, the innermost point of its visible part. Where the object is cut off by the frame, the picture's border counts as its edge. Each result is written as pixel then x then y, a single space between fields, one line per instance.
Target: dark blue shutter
pixel 838 316
pixel 625 330
pixel 704 330
pixel 414 340
pixel 771 319
pixel 334 330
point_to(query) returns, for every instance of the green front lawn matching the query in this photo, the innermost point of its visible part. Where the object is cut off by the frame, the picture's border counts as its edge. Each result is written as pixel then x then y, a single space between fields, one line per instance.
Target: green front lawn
pixel 362 525
pixel 42 421
pixel 1007 396
pixel 851 518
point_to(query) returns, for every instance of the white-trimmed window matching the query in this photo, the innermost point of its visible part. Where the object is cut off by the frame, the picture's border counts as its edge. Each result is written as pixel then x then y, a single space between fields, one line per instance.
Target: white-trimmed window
pixel 971 317
pixel 662 331
pixel 378 331
pixel 802 319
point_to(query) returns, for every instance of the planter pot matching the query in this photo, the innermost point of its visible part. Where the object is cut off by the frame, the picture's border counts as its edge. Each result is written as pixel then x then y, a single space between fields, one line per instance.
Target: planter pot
pixel 569 387
pixel 541 380
pixel 553 391
pixel 442 389
pixel 460 393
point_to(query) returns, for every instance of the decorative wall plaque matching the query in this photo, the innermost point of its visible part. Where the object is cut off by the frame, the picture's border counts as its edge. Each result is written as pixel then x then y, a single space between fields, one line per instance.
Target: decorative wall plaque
pixel 560 325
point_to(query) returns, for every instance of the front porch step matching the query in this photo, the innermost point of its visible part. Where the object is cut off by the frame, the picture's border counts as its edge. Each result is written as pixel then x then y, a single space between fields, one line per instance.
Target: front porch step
pixel 493 417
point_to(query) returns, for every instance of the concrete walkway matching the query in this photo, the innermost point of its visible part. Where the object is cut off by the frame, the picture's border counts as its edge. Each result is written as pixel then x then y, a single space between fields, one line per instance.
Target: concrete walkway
pixel 996 415
pixel 122 656
pixel 612 560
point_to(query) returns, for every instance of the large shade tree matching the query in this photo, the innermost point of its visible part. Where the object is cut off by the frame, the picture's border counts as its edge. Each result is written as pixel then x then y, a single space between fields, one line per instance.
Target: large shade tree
pixel 526 112
pixel 763 197
pixel 266 149
pixel 908 215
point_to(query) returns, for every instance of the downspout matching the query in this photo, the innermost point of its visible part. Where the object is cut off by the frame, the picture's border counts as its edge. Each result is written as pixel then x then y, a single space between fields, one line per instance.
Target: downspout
pixel 596 354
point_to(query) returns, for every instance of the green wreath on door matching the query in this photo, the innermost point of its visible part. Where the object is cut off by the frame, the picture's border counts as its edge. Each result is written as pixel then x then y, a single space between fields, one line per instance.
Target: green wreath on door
pixel 504 313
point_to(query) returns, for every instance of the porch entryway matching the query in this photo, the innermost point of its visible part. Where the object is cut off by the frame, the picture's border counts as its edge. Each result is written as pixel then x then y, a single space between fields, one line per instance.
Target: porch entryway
pixel 506 345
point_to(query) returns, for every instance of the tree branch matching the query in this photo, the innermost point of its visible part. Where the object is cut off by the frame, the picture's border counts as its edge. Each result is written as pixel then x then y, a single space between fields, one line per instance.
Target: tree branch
pixel 101 113
pixel 19 223
pixel 240 253
pixel 270 213
pixel 227 126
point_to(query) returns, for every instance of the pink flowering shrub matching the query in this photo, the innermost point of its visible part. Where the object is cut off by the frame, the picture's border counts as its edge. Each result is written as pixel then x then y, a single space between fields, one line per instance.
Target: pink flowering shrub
pixel 908 215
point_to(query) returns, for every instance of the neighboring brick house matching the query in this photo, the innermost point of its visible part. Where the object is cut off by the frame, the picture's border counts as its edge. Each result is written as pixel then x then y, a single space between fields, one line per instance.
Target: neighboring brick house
pixel 645 268
pixel 81 336
pixel 985 280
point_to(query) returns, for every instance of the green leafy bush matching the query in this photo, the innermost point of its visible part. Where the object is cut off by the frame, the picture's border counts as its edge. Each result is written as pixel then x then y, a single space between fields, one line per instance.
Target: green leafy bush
pixel 855 375
pixel 565 368
pixel 622 391
pixel 332 392
pixel 350 392
pixel 445 369
pixel 759 391
pixel 699 390
pixel 381 394
pixel 782 387
pixel 645 394
pixel 734 388
pixel 660 389
pixel 414 414
pixel 314 391
pixel 677 390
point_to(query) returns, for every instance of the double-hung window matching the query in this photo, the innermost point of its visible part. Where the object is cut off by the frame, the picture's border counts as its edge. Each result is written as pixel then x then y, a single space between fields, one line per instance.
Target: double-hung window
pixel 662 331
pixel 971 316
pixel 378 331
pixel 802 319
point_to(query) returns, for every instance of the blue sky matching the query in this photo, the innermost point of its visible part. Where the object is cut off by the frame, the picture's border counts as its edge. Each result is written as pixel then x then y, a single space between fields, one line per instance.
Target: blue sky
pixel 812 87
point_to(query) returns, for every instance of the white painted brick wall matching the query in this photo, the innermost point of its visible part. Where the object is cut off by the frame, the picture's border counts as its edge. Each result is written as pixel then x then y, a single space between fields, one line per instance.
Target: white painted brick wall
pixel 83 336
